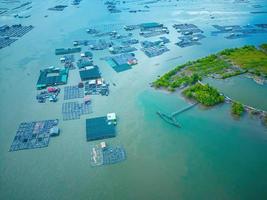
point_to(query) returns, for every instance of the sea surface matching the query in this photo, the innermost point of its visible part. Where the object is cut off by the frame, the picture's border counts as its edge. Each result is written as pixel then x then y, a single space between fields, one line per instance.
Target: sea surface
pixel 212 155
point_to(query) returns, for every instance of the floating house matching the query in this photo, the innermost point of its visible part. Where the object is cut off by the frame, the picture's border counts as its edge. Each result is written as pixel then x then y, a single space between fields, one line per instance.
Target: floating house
pixel 122 62
pixel 101 127
pixel 87 54
pixel 52 76
pixel 90 73
pixel 84 62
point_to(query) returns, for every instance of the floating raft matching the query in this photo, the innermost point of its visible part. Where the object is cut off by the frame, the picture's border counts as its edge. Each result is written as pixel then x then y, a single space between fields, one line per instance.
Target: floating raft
pixel 16 30
pixel 31 135
pixel 95 88
pixel 73 92
pixel 6 41
pixel 106 155
pixel 74 110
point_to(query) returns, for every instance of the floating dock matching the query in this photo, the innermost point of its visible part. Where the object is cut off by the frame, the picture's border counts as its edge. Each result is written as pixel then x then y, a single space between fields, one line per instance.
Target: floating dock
pixel 171 118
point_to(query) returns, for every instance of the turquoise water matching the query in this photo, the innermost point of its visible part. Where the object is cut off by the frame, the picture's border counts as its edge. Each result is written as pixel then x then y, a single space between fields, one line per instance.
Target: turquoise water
pixel 212 156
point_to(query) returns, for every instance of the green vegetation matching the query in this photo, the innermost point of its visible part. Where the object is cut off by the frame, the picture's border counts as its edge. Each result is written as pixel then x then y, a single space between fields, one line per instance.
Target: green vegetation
pixel 236 73
pixel 237 109
pixel 191 72
pixel 225 64
pixel 204 94
pixel 265 120
pixel 248 58
pixel 264 47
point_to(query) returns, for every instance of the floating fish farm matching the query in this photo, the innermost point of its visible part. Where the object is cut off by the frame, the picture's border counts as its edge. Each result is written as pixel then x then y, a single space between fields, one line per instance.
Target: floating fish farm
pixel 103 154
pixel 149 29
pixel 187 29
pixel 236 31
pixel 84 62
pixel 73 92
pixel 6 41
pixel 121 49
pixel 16 30
pixel 99 128
pixel 50 94
pixel 31 135
pixel 122 62
pixel 52 76
pixel 156 48
pixel 162 41
pixel 68 61
pixel 129 42
pixel 74 110
pixel 99 44
pixel 96 87
pixel 190 40
pixel 90 73
pixel 10 34
pixel 155 51
pixel 62 51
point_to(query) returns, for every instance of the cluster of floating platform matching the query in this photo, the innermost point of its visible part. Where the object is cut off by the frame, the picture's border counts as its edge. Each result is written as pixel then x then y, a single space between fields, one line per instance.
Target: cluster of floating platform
pixel 50 94
pixel 112 6
pixel 156 48
pixel 187 29
pixel 237 31
pixel 191 35
pixel 190 40
pixel 149 29
pixel 68 61
pixel 129 42
pixel 73 92
pixel 84 62
pixel 122 62
pixel 10 34
pixel 6 41
pixel 96 87
pixel 103 154
pixel 52 76
pixel 31 135
pixel 121 49
pixel 16 30
pixel 74 110
pixel 90 73
pixel 100 44
pixel 101 127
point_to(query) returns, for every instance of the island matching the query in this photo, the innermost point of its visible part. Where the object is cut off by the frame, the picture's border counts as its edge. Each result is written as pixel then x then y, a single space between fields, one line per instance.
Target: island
pixel 249 60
